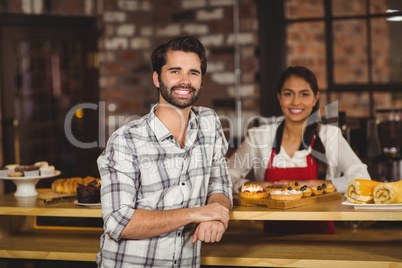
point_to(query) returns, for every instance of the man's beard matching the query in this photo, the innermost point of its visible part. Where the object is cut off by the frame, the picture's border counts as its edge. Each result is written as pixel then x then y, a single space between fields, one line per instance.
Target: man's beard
pixel 167 94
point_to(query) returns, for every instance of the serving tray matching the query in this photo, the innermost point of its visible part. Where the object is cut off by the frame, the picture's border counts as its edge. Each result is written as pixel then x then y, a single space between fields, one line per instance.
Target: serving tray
pixel 282 204
pixel 47 193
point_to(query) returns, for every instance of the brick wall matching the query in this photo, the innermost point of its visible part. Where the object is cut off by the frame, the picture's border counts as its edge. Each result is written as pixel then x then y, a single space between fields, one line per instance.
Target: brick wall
pixel 134 28
pixel 131 29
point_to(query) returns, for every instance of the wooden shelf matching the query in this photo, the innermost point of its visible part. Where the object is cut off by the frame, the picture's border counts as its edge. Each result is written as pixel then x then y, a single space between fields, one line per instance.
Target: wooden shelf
pixel 67 245
pixel 366 248
pixel 33 206
pixel 239 247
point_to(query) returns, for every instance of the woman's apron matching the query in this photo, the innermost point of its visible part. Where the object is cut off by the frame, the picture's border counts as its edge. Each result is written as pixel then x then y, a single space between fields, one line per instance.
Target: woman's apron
pixel 298 174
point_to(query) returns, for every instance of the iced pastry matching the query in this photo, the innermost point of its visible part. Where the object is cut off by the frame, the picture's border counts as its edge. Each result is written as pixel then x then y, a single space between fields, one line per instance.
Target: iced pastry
pixel 253 191
pixel 286 195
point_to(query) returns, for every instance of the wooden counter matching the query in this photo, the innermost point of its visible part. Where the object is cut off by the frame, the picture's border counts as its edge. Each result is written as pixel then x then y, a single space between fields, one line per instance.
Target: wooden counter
pixel 365 248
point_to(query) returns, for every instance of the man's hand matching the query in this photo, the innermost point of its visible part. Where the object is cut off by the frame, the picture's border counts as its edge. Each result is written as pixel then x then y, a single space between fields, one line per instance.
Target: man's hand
pixel 209 232
pixel 213 212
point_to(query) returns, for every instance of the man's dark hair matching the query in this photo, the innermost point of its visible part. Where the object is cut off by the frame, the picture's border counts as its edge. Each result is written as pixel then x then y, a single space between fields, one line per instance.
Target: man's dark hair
pixel 183 43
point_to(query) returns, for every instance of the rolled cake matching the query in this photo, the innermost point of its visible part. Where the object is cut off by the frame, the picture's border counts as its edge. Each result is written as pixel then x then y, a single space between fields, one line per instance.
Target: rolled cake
pixel 361 191
pixel 387 193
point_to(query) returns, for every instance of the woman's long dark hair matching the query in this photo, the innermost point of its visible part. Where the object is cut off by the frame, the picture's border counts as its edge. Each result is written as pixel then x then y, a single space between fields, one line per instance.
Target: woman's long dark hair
pixel 318 150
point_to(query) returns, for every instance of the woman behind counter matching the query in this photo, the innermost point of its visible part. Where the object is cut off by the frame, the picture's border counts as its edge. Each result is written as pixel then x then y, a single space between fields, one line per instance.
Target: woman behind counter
pixel 296 148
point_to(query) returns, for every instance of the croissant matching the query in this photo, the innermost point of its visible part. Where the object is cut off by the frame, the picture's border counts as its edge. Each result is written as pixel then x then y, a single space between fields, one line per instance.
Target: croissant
pixel 69 185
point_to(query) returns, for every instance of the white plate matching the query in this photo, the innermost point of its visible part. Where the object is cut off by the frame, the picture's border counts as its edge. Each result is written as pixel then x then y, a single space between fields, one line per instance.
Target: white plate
pixel 90 205
pixel 374 206
pixel 56 173
pixel 26 185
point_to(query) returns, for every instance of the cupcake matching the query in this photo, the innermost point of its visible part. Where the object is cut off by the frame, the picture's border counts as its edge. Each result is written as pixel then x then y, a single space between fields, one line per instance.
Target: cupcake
pixel 28 171
pixel 89 193
pixel 12 166
pixel 4 172
pixel 46 170
pixel 41 164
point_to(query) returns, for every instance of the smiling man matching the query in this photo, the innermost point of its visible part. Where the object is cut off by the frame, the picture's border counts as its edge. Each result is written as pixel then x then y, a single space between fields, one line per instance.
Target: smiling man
pixel 165 186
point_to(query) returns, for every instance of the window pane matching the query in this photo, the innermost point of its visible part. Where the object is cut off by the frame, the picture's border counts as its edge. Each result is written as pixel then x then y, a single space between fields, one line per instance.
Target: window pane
pixel 350 52
pixel 306 46
pixel 383 100
pixel 301 9
pixel 356 104
pixel 381 6
pixel 386 50
pixel 348 7
pixel 396 99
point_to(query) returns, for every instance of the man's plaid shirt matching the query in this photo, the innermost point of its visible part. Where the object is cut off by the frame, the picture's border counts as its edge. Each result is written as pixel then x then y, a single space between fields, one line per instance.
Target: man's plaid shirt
pixel 144 167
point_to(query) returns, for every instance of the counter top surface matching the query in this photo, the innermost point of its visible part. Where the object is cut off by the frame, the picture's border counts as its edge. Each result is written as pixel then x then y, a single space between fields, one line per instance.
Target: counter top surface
pixel 331 210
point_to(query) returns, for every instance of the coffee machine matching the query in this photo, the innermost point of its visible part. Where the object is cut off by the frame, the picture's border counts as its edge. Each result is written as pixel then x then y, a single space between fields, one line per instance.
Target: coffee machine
pixel 388 163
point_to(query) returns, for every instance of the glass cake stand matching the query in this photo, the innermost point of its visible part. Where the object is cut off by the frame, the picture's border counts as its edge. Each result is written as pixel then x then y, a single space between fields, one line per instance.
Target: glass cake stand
pixel 26 185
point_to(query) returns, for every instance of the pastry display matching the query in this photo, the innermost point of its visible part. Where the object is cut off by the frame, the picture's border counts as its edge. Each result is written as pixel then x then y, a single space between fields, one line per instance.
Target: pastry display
pixel 253 191
pixel 306 191
pixel 361 191
pixel 317 190
pixel 4 172
pixel 69 185
pixel 41 168
pixel 387 193
pixel 89 193
pixel 286 195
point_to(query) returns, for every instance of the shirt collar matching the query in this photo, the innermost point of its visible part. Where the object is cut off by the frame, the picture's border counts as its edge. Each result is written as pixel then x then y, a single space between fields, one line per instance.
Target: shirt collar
pixel 161 132
pixel 307 137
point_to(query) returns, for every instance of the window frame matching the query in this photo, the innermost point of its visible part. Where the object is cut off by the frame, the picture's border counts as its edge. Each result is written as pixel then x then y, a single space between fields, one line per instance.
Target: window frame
pixel 273 54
